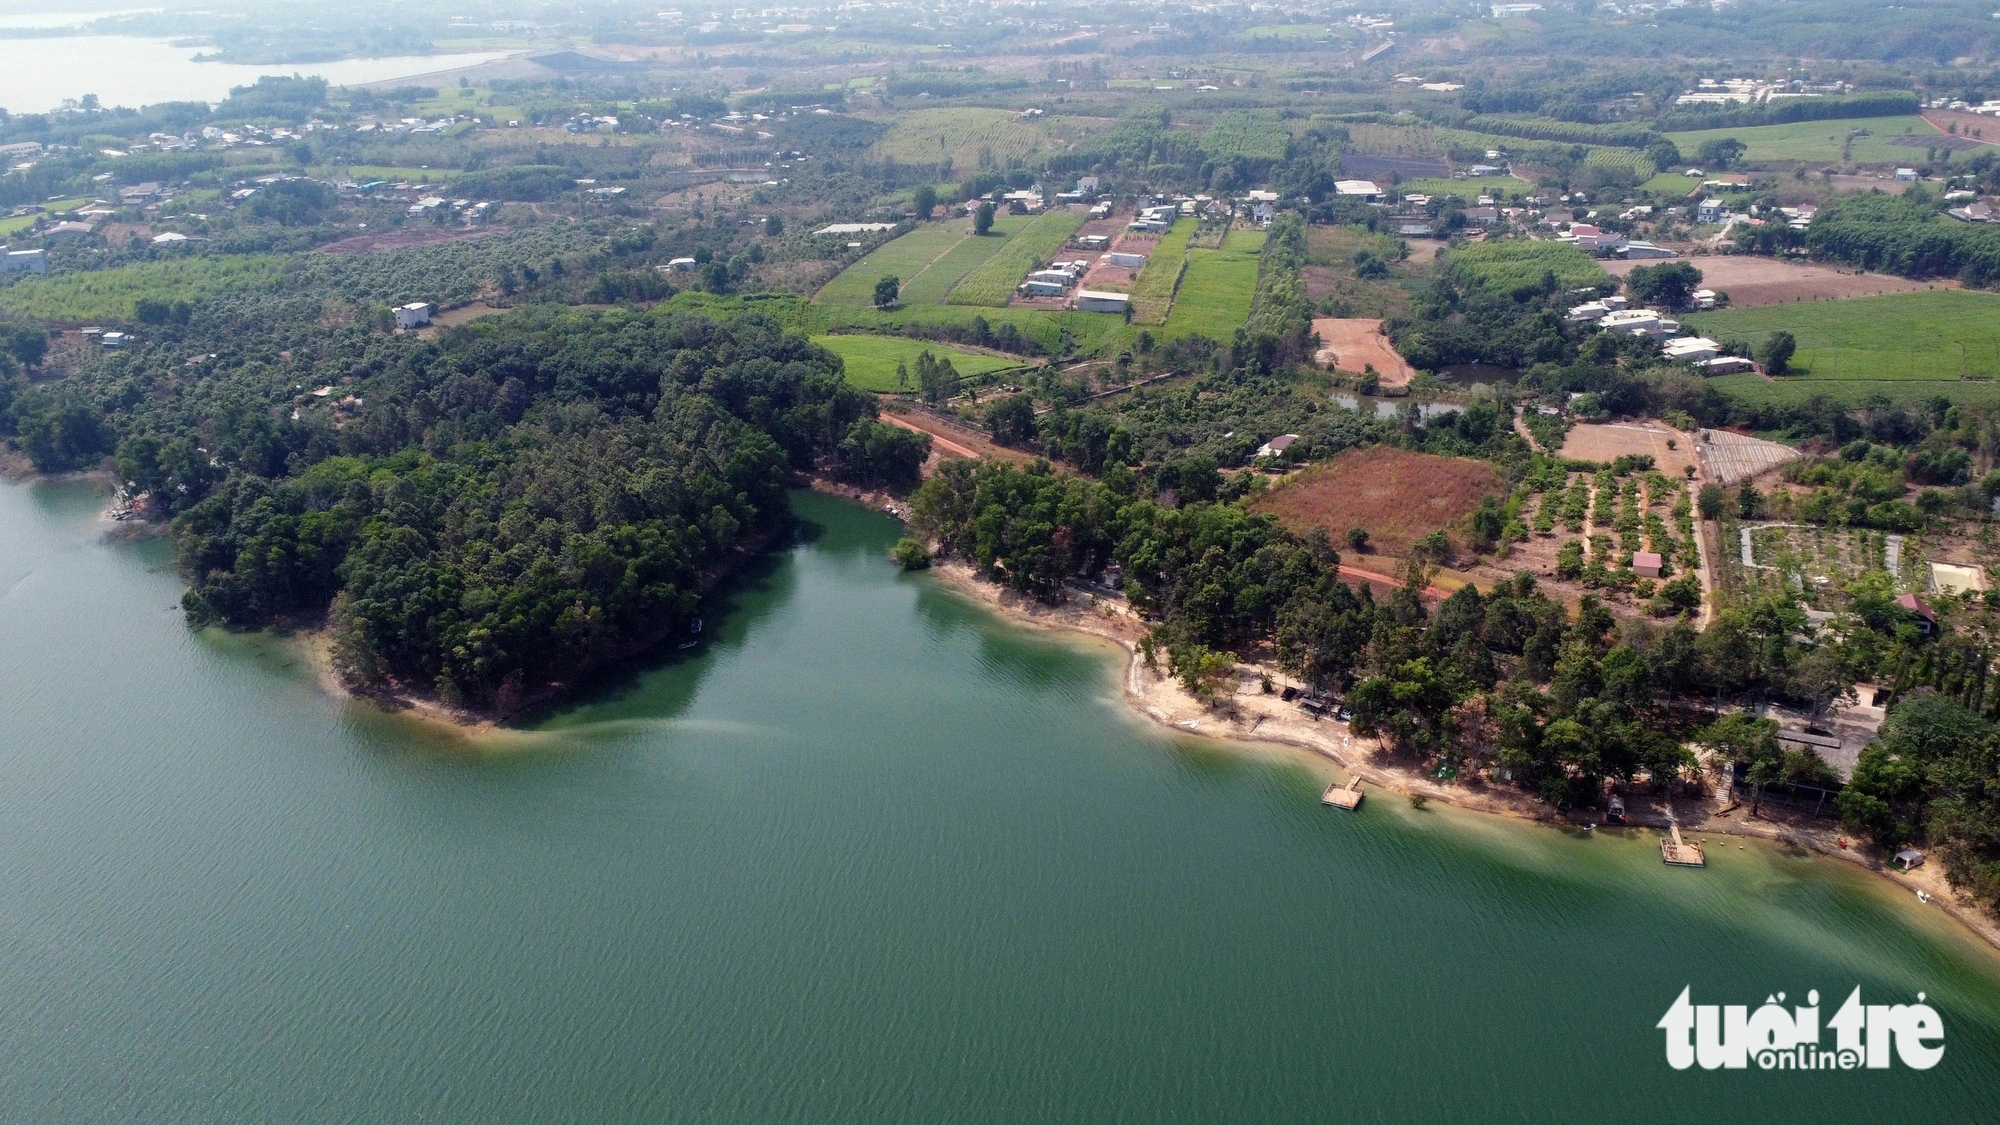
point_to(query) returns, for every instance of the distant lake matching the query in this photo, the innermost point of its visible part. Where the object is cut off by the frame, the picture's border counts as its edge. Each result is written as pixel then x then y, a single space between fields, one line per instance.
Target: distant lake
pixel 133 71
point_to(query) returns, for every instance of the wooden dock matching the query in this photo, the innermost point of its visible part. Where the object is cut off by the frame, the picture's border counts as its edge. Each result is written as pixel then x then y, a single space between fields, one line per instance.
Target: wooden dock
pixel 1344 796
pixel 1679 852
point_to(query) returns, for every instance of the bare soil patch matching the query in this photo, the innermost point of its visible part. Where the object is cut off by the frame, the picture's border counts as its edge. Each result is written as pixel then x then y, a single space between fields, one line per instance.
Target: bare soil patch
pixel 1752 281
pixel 409 236
pixel 1611 441
pixel 1354 344
pixel 1975 127
pixel 1399 496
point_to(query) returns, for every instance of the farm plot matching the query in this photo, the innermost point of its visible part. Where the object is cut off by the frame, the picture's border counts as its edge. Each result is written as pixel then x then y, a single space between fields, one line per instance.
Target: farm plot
pixel 871 361
pixel 111 294
pixel 904 257
pixel 1817 563
pixel 1943 335
pixel 1753 282
pixel 1853 140
pixel 968 137
pixel 1216 295
pixel 932 284
pixel 1153 289
pixel 1256 136
pixel 1511 263
pixel 992 284
pixel 1398 496
pixel 1356 344
pixel 1497 186
pixel 1607 443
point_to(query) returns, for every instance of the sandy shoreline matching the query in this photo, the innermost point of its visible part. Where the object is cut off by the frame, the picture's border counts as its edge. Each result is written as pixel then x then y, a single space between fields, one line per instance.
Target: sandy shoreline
pixel 1267 719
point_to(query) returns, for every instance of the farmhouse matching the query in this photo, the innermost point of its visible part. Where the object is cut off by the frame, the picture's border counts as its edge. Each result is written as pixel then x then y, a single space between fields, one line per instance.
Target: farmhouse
pixel 1097 300
pixel 1036 287
pixel 1697 348
pixel 1125 261
pixel 855 228
pixel 1093 241
pixel 1276 446
pixel 1729 365
pixel 1646 564
pixel 25 261
pixel 1637 249
pixel 416 314
pixel 682 265
pixel 1361 189
pixel 1926 616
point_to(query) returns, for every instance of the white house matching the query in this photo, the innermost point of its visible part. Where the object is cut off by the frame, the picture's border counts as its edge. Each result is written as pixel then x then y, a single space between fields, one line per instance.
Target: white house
pixel 1125 261
pixel 682 265
pixel 416 314
pixel 1906 175
pixel 1710 210
pixel 1364 189
pixel 1276 446
pixel 25 261
pixel 1696 348
pixel 1097 300
pixel 1034 287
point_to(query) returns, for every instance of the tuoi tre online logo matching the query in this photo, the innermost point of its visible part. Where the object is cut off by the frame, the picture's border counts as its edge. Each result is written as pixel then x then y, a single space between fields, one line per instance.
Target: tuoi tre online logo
pixel 1732 1037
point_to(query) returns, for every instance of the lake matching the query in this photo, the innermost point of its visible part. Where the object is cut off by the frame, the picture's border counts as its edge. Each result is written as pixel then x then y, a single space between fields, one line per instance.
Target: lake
pixel 133 71
pixel 869 854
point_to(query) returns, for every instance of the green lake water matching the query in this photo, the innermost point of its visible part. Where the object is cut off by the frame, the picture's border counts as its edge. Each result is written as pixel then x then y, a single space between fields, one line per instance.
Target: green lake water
pixel 867 855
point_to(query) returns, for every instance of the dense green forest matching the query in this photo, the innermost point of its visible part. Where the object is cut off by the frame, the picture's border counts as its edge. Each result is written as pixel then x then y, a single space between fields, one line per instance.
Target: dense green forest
pixel 489 514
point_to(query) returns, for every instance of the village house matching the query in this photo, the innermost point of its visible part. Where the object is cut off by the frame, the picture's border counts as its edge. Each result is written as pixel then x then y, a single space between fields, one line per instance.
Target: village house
pixel 416 314
pixel 1276 446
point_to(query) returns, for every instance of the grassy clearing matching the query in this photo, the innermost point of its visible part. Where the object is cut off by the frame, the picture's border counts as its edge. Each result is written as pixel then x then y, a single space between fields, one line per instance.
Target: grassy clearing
pixel 1819 141
pixel 1755 390
pixel 110 294
pixel 1468 190
pixel 935 282
pixel 993 282
pixel 871 360
pixel 969 137
pixel 1057 333
pixel 1216 294
pixel 1510 263
pixel 1153 289
pixel 1671 183
pixel 903 257
pixel 1936 335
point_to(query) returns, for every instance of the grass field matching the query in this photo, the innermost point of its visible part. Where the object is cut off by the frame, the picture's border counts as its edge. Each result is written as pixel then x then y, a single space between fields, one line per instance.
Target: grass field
pixel 1088 334
pixel 1671 183
pixel 935 283
pixel 22 222
pixel 871 360
pixel 1215 296
pixel 1818 141
pixel 1153 289
pixel 904 258
pixel 1468 190
pixel 1908 346
pixel 993 282
pixel 1510 263
pixel 110 294
pixel 1939 334
pixel 970 137
pixel 1399 496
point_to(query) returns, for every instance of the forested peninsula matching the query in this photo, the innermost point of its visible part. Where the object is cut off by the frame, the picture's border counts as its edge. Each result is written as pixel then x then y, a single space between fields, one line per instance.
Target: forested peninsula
pixel 485 517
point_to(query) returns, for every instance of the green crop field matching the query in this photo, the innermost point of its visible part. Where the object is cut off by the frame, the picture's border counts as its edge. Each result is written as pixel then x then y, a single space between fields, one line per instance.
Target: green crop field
pixel 1819 141
pixel 871 360
pixel 1930 341
pixel 903 257
pixel 1153 289
pixel 1215 296
pixel 969 137
pixel 110 294
pixel 1468 190
pixel 935 282
pixel 1510 263
pixel 1258 136
pixel 994 281
pixel 928 260
pixel 1671 184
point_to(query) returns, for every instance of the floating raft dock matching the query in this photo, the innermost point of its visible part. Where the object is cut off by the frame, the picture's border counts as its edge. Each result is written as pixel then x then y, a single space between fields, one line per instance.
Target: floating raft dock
pixel 1343 796
pixel 1679 852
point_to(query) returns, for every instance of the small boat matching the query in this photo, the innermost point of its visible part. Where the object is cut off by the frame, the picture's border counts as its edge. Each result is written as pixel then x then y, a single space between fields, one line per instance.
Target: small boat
pixel 1923 896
